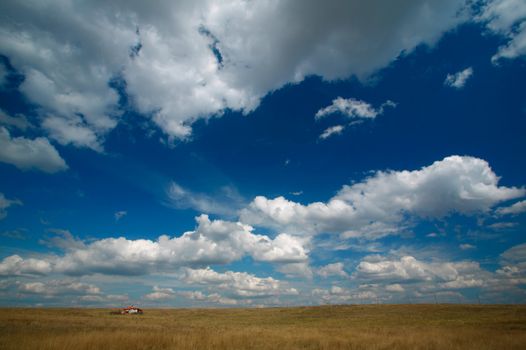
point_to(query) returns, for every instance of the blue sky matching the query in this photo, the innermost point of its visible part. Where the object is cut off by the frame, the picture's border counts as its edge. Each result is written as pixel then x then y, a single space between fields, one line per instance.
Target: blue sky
pixel 191 154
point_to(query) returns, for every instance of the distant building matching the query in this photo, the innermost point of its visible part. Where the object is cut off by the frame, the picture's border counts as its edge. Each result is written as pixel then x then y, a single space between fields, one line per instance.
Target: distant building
pixel 129 310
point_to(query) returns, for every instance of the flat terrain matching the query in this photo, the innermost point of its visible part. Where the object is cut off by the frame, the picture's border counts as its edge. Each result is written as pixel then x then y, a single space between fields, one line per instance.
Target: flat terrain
pixel 326 327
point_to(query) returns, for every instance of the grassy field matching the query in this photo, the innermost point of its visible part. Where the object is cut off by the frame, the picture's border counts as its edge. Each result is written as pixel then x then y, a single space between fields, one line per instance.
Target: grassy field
pixel 326 327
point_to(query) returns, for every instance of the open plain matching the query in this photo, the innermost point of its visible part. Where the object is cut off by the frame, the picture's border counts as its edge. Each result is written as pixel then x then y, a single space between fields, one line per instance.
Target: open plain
pixel 324 327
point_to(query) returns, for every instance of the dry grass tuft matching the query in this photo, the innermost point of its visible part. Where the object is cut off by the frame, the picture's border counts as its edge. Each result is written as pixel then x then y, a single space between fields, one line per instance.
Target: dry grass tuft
pixel 327 327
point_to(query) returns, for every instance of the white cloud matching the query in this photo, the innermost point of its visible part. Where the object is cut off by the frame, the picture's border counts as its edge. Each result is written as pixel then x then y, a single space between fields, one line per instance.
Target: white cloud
pixel 301 269
pixel 462 282
pixel 28 154
pixel 6 203
pixel 513 266
pixel 194 295
pixel 239 284
pixel 466 246
pixel 353 108
pixel 58 287
pixel 516 208
pixel 394 288
pixel 503 225
pixel 212 242
pixel 69 51
pixel 212 298
pixel 60 292
pixel 515 255
pixel 333 130
pixel 120 214
pixel 19 121
pixel 507 18
pixel 160 294
pixel 516 47
pixel 15 265
pixel 335 269
pixel 378 206
pixel 72 131
pixel 408 269
pixel 459 79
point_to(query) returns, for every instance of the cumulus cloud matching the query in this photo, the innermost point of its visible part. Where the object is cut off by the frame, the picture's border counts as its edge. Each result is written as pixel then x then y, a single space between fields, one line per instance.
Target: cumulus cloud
pixel 335 269
pixel 514 209
pixel 399 277
pixel 394 288
pixel 215 298
pixel 28 154
pixel 6 203
pixel 507 18
pixel 159 293
pixel 186 60
pixel 515 255
pixel 408 269
pixel 212 242
pixel 353 108
pixel 59 292
pixel 513 267
pixel 301 269
pixel 72 131
pixel 459 79
pixel 378 206
pixel 239 284
pixel 58 287
pixel 19 121
pixel 68 54
pixel 15 265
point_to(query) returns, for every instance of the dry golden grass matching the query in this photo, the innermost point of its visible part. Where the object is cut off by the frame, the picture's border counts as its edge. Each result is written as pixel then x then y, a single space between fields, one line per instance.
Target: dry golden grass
pixel 328 327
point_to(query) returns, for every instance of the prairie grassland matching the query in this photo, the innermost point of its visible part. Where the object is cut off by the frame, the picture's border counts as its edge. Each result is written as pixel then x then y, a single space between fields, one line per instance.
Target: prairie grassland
pixel 326 327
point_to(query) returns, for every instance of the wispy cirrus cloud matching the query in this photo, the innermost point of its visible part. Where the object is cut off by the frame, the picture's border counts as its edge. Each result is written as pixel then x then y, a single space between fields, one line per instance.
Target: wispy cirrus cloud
pixel 514 209
pixel 332 130
pixel 5 204
pixel 120 214
pixel 353 108
pixel 226 201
